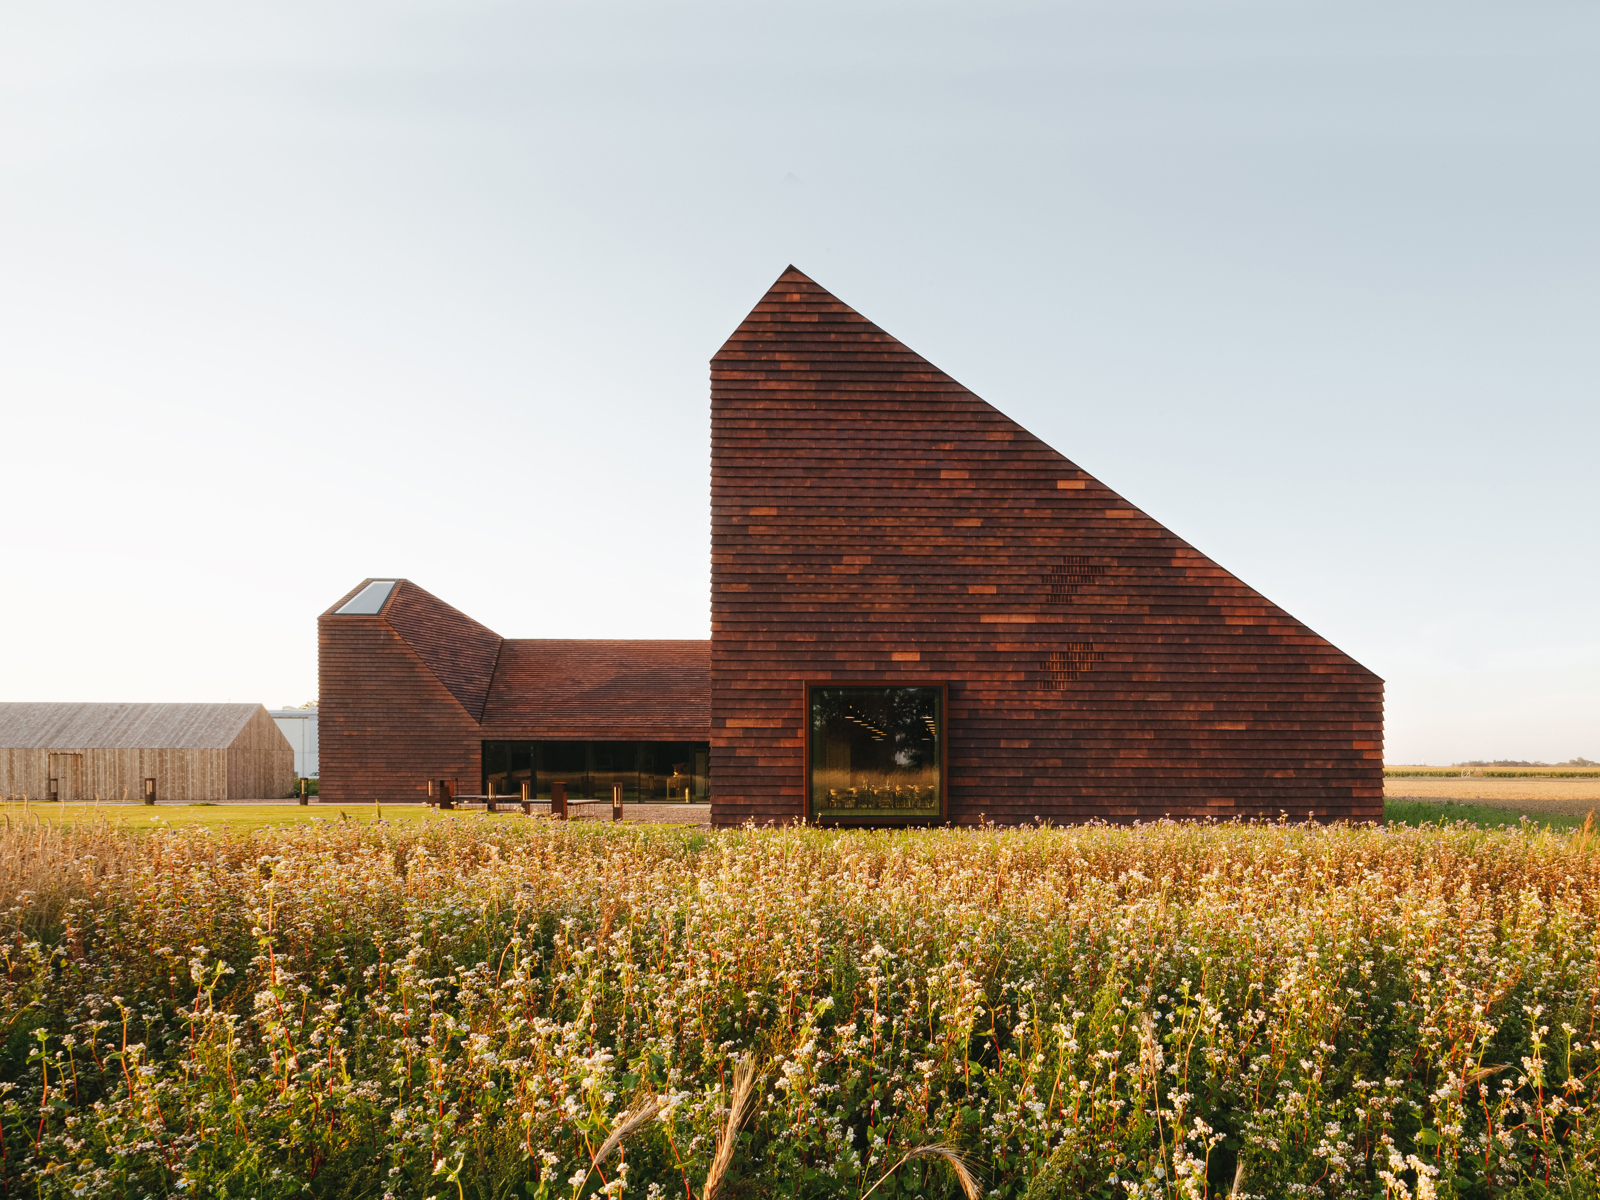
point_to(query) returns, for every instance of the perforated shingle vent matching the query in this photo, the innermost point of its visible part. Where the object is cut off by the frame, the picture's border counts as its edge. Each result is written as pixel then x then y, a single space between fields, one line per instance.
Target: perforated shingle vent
pixel 1062 667
pixel 1076 571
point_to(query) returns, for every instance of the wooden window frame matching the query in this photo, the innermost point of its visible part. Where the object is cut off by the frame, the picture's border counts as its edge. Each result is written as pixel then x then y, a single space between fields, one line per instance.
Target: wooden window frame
pixel 944 752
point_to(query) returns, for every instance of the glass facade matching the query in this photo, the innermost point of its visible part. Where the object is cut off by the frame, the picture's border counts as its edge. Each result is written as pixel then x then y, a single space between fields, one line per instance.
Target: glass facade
pixel 876 753
pixel 647 771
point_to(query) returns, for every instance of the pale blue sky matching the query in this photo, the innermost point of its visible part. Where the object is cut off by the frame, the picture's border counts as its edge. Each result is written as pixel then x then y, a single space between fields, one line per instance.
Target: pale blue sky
pixel 296 293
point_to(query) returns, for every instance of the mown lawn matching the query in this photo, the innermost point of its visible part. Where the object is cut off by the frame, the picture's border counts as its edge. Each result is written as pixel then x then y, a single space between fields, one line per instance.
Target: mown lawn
pixel 237 816
pixel 1484 816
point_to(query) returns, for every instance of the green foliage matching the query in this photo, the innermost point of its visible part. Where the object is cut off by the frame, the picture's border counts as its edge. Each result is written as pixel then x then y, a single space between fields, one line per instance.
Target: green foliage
pixel 469 1009
pixel 1482 816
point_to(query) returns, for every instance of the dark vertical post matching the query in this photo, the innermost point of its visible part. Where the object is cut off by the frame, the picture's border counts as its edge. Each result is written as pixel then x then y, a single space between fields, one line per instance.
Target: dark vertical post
pixel 303 792
pixel 558 800
pixel 447 793
pixel 489 799
pixel 616 802
pixel 149 791
pixel 527 799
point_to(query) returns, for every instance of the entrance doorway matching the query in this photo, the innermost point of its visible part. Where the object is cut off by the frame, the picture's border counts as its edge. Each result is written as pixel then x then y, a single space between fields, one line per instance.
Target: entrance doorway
pixel 67 771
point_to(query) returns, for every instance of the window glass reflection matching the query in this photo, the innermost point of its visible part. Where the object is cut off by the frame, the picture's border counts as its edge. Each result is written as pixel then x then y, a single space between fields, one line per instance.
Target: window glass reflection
pixel 612 763
pixel 647 771
pixel 875 752
pixel 564 761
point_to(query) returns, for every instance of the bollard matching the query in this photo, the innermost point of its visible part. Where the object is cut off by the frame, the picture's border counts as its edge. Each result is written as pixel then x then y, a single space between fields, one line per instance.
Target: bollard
pixel 447 793
pixel 149 791
pixel 527 799
pixel 433 799
pixel 489 799
pixel 616 802
pixel 303 799
pixel 558 800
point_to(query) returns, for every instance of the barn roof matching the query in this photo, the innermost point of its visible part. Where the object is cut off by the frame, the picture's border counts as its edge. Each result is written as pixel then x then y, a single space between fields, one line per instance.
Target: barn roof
pixel 122 726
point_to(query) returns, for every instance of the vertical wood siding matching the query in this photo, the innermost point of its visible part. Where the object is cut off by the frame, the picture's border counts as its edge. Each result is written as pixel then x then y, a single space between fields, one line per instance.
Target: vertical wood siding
pixel 260 761
pixel 873 519
pixel 111 774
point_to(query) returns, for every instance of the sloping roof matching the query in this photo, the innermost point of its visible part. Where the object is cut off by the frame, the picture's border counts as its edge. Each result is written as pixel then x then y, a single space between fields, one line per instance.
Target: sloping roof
pixel 604 687
pixel 459 651
pixel 122 726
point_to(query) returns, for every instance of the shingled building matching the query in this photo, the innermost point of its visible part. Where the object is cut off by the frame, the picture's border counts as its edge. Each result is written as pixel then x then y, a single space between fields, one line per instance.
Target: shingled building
pixel 412 690
pixel 920 613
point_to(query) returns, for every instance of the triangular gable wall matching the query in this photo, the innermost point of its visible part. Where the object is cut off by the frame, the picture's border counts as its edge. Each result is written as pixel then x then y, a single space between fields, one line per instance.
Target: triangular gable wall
pixel 874 520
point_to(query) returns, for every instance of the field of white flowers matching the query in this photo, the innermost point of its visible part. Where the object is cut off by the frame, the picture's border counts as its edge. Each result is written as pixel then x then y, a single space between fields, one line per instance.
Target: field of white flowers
pixel 541 1010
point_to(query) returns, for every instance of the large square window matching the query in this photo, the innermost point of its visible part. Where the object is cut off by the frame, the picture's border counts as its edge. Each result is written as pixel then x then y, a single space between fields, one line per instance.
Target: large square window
pixel 875 754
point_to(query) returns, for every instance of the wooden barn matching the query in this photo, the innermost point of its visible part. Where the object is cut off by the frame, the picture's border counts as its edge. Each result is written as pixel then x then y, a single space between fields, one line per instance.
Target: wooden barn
pixel 920 613
pixel 78 752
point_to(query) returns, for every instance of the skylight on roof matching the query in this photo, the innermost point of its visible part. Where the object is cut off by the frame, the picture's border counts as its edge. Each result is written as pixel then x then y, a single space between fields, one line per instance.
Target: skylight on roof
pixel 368 600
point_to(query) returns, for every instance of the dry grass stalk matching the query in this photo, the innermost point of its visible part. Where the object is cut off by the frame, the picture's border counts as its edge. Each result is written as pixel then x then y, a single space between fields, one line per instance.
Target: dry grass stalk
pixel 50 865
pixel 1238 1179
pixel 744 1078
pixel 626 1127
pixel 958 1164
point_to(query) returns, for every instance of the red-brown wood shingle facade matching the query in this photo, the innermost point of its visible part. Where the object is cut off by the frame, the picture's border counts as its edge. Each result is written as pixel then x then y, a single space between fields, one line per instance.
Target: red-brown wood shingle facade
pixel 872 519
pixel 875 522
pixel 412 692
